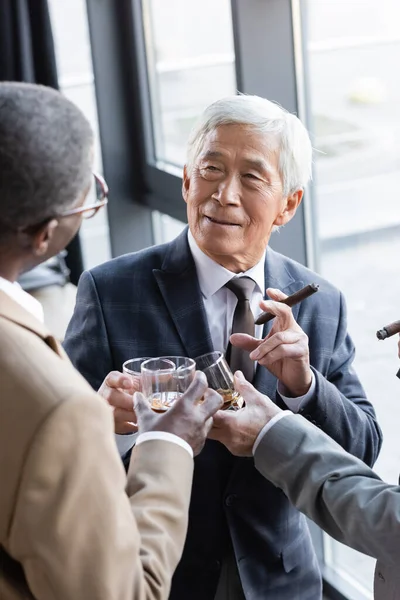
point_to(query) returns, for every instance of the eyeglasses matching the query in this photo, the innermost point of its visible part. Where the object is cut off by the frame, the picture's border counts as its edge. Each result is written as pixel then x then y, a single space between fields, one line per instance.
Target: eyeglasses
pixel 99 190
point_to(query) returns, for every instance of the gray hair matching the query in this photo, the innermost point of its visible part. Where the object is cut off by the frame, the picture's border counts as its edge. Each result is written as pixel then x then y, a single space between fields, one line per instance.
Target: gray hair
pixel 45 154
pixel 265 117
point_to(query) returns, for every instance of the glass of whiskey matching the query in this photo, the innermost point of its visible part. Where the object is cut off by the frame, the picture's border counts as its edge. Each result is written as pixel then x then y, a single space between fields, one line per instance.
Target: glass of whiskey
pixel 165 379
pixel 220 378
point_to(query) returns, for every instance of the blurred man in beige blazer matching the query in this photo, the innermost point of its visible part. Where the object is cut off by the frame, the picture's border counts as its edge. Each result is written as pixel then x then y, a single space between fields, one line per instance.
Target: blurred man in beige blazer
pixel 72 527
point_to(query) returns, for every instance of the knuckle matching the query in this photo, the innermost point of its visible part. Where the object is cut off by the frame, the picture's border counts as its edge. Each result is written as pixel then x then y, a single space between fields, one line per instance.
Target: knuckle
pixel 111 377
pixel 285 308
pixel 280 336
pixel 112 374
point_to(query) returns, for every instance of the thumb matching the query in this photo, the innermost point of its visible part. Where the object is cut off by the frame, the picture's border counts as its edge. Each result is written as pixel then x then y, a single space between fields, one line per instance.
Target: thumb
pixel 222 426
pixel 244 387
pixel 141 406
pixel 276 294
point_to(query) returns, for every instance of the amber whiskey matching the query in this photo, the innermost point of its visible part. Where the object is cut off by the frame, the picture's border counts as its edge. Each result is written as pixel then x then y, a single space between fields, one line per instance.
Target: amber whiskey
pixel 162 402
pixel 232 399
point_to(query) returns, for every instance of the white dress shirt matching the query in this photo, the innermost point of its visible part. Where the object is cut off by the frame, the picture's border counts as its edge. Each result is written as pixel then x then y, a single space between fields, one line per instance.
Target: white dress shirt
pixel 220 304
pixel 30 304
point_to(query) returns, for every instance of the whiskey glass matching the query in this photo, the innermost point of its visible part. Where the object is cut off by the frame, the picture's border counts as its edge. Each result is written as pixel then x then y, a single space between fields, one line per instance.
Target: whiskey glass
pixel 165 379
pixel 220 378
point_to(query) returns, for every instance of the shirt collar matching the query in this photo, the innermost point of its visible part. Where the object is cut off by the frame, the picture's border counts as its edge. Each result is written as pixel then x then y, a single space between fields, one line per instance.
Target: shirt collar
pixel 212 276
pixel 28 302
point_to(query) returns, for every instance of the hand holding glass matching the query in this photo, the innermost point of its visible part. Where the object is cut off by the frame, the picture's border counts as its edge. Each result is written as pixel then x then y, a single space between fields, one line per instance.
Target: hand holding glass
pixel 220 378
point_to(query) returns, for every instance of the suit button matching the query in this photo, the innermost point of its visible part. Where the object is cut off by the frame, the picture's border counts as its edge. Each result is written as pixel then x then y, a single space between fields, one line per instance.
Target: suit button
pixel 380 576
pixel 230 500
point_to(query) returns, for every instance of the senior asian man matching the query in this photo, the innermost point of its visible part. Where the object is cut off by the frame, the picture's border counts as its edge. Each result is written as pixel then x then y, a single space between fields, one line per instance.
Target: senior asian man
pixel 248 162
pixel 72 526
pixel 336 490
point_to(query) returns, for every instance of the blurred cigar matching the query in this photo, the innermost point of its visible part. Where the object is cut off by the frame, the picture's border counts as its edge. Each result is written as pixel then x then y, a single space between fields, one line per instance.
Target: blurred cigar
pixel 295 298
pixel 388 330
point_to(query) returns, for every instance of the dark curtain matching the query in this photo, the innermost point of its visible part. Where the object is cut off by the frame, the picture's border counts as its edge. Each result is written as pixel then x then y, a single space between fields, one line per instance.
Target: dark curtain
pixel 27 54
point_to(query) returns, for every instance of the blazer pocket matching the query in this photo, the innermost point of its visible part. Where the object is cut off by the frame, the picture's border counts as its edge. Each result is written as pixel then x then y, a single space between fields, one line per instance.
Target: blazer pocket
pixel 297 554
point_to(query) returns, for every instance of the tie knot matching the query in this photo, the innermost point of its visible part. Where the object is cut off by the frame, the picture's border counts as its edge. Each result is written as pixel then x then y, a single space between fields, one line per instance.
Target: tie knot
pixel 242 287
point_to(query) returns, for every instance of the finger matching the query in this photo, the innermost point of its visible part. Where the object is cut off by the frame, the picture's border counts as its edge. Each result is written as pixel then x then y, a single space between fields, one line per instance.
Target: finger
pixel 211 403
pixel 272 342
pixel 136 384
pixel 141 406
pixel 126 427
pixel 283 352
pixel 279 310
pixel 276 294
pixel 124 415
pixel 245 341
pixel 115 379
pixel 249 393
pixel 196 389
pixel 221 429
pixel 119 399
pixel 208 426
pixel 244 387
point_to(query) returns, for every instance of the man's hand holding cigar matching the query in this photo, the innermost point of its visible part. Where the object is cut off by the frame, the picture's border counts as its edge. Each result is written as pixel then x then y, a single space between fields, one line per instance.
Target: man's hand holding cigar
pixel 284 351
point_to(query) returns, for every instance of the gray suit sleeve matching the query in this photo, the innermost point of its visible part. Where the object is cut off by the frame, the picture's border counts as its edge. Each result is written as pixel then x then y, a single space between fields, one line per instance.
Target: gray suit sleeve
pixel 340 406
pixel 334 489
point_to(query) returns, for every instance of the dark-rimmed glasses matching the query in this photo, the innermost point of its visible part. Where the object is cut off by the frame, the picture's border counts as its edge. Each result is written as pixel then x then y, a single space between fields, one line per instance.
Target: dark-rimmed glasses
pixel 90 210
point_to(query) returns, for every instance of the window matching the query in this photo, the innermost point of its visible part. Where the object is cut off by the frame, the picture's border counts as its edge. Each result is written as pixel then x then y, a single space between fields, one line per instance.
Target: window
pixel 75 73
pixel 191 63
pixel 352 53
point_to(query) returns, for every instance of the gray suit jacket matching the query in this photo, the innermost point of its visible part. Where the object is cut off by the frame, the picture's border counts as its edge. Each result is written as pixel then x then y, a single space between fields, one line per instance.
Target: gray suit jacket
pixel 337 491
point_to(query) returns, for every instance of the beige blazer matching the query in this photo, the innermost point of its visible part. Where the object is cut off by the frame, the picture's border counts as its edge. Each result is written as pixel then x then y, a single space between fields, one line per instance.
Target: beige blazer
pixel 337 491
pixel 72 526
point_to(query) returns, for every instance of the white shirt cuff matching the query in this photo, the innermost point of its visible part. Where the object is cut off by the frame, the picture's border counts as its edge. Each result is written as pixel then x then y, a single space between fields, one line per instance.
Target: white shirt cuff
pixel 165 436
pixel 268 426
pixel 295 404
pixel 125 442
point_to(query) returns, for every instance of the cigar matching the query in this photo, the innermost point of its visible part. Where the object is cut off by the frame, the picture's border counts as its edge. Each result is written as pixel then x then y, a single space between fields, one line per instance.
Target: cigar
pixel 295 298
pixel 388 330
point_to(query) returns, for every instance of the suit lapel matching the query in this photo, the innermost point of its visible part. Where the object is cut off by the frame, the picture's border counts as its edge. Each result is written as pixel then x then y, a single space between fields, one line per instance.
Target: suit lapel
pixel 179 286
pixel 11 310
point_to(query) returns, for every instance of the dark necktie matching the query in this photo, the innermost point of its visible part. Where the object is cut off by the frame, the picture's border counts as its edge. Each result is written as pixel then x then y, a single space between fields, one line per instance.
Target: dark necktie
pixel 243 322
